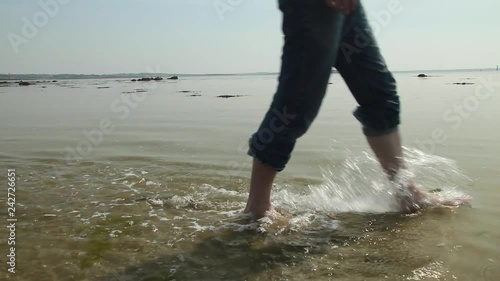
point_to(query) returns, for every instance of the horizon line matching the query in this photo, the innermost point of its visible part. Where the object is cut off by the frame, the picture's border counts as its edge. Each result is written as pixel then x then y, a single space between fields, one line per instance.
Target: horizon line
pixel 219 74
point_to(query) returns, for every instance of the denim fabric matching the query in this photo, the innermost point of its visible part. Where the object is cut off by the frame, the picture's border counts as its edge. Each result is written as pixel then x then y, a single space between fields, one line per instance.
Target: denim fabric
pixel 318 38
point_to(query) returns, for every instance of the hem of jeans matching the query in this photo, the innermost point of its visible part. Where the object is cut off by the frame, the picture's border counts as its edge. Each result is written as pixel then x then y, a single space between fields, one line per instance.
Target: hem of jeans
pixel 264 161
pixel 370 132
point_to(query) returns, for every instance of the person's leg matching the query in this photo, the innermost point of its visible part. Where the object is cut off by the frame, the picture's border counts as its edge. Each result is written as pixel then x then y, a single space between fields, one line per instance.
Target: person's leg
pixel 364 70
pixel 261 183
pixel 388 150
pixel 312 34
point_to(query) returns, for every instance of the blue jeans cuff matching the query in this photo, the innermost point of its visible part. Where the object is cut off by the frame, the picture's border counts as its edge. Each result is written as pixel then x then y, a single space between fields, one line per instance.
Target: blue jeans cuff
pixel 370 132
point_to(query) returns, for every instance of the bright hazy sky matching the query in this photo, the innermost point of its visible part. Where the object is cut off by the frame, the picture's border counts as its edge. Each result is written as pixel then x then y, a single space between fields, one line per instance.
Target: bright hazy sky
pixel 190 36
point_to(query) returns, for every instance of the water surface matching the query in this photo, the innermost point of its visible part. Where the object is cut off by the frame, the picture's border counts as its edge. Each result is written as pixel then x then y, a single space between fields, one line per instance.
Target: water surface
pixel 158 194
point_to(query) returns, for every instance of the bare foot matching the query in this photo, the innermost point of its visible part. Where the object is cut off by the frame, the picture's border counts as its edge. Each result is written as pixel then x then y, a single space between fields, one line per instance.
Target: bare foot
pixel 410 200
pixel 413 198
pixel 258 212
pixel 455 202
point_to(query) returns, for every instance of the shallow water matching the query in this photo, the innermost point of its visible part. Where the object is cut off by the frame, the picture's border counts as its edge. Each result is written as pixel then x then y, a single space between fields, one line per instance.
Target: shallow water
pixel 158 196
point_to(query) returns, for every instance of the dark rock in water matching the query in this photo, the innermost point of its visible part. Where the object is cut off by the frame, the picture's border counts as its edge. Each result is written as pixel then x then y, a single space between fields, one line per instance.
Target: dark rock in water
pixel 173 78
pixel 158 78
pixel 229 96
pixel 185 92
pixel 463 83
pixel 22 83
pixel 145 79
pixel 421 75
pixel 194 95
pixel 134 80
pixel 54 81
pixel 103 87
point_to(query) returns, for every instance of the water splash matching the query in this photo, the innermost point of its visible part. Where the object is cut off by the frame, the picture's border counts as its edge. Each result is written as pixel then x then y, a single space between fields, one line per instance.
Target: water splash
pixel 354 185
pixel 359 185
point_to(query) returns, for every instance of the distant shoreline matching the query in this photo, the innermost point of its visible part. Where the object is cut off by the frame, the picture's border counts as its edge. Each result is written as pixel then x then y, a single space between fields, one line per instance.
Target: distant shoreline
pixel 7 77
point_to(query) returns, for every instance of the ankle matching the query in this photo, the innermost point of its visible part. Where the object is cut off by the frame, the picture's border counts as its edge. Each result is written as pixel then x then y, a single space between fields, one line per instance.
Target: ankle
pixel 258 209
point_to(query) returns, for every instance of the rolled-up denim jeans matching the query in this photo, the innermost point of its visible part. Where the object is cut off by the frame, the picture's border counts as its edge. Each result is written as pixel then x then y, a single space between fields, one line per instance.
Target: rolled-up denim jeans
pixel 318 38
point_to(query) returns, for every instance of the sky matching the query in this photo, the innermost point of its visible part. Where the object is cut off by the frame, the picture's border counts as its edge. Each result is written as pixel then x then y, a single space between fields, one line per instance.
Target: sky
pixel 227 36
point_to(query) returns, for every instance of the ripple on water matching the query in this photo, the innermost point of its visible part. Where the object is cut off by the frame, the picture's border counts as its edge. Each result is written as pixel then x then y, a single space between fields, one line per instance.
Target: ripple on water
pixel 129 217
